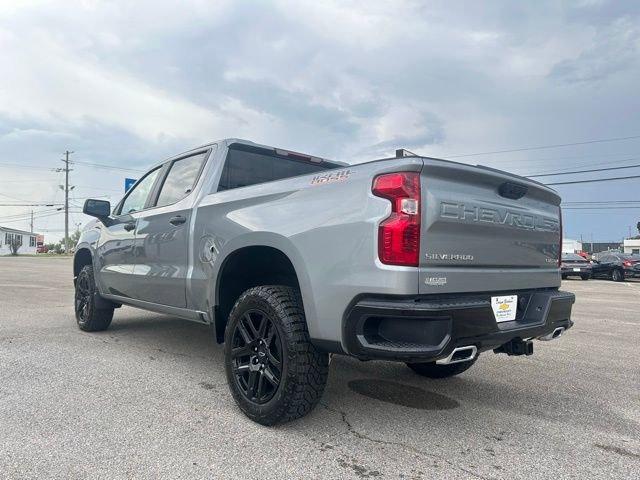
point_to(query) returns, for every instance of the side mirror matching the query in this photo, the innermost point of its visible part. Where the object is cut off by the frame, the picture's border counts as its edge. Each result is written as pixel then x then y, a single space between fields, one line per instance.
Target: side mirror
pixel 101 209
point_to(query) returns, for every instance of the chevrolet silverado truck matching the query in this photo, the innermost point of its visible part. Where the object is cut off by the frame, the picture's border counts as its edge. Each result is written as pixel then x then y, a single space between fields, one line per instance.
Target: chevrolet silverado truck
pixel 291 258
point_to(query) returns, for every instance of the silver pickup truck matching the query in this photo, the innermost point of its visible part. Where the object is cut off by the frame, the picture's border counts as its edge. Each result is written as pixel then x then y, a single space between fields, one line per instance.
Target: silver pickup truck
pixel 291 258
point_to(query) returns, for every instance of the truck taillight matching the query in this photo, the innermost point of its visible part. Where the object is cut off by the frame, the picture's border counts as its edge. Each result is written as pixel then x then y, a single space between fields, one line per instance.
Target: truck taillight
pixel 560 246
pixel 399 234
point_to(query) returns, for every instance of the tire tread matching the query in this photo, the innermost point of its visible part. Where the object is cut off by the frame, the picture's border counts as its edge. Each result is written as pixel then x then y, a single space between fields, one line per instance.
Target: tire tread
pixel 100 318
pixel 308 367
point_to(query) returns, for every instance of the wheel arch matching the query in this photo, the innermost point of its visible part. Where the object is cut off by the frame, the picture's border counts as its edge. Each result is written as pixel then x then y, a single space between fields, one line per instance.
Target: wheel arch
pixel 81 258
pixel 251 265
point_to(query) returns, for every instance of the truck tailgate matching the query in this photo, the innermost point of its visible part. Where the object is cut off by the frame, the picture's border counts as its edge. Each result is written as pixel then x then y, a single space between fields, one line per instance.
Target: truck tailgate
pixel 486 230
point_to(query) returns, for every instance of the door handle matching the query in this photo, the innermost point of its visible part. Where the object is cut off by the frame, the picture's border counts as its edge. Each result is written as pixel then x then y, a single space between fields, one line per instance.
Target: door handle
pixel 177 220
pixel 129 226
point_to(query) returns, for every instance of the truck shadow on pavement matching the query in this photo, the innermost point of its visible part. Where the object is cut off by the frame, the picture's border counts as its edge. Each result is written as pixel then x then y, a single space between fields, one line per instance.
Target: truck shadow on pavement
pixel 352 382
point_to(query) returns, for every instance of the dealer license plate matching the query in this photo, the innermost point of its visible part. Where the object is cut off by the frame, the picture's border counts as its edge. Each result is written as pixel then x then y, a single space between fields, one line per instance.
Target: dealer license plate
pixel 504 307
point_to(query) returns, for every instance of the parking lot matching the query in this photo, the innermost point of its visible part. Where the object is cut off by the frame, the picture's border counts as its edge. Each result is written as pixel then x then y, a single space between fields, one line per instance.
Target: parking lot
pixel 148 399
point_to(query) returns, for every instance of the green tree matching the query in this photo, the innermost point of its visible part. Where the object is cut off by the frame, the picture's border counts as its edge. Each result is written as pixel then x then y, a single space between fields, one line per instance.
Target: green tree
pixel 73 240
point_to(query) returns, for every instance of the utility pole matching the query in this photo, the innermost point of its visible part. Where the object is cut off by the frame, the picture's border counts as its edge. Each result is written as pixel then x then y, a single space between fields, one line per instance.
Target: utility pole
pixel 31 221
pixel 66 189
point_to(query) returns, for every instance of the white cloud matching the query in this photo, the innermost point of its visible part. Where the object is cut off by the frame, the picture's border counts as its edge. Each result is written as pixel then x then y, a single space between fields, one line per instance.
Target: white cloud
pixel 129 82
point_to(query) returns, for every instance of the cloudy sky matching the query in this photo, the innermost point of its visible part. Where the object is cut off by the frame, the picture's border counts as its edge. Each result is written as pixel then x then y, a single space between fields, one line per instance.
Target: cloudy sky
pixel 126 84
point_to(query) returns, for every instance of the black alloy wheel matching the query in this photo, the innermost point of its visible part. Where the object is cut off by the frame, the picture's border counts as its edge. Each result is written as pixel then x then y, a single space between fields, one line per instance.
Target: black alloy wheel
pixel 274 371
pixel 257 356
pixel 84 297
pixel 89 317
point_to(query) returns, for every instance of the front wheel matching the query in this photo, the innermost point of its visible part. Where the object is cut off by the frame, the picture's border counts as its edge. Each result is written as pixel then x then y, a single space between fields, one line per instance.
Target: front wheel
pixel 585 277
pixel 274 372
pixel 88 316
pixel 617 275
pixel 434 370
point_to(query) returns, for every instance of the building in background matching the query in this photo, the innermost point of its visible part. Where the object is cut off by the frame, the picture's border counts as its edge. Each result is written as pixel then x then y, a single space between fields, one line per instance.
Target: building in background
pixel 632 245
pixel 571 246
pixel 597 247
pixel 28 241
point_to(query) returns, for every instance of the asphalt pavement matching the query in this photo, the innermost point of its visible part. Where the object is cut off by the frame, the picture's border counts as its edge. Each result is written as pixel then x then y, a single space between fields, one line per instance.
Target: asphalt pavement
pixel 148 399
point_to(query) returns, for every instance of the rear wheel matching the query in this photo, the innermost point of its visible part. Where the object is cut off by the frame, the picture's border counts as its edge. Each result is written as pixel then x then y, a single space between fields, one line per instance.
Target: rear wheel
pixel 88 316
pixel 274 372
pixel 617 275
pixel 433 370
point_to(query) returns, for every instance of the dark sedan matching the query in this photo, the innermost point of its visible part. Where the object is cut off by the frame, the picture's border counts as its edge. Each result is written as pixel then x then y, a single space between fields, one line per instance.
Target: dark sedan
pixel 573 265
pixel 617 266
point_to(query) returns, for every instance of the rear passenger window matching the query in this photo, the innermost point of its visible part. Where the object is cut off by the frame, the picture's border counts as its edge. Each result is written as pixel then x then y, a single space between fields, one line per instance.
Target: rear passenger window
pixel 180 180
pixel 252 166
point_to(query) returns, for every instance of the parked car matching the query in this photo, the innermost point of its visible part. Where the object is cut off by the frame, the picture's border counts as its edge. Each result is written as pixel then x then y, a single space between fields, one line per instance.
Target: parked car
pixel 575 265
pixel 598 255
pixel 616 266
pixel 291 257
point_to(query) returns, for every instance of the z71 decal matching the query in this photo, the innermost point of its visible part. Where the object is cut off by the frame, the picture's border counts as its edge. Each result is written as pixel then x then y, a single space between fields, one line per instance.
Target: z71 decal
pixel 339 176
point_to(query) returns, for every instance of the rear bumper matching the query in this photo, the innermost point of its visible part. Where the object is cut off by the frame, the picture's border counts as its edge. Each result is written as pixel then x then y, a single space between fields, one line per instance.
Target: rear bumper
pixel 632 273
pixel 568 271
pixel 428 327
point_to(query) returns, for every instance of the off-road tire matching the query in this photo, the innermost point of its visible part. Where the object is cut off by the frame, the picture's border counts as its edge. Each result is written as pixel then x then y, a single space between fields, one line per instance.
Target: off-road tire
pixel 433 370
pixel 304 369
pixel 617 275
pixel 88 316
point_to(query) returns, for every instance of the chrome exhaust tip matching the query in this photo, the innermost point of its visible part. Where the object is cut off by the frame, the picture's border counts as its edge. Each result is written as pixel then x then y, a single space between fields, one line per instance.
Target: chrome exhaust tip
pixel 557 333
pixel 459 354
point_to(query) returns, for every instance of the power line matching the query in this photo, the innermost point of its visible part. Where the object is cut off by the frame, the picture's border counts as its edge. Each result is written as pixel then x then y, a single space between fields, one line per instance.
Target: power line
pixel 581 156
pixel 26 213
pixel 583 171
pixel 27 217
pixel 88 164
pixel 46 221
pixel 13 198
pixel 100 165
pixel 587 164
pixel 29 204
pixel 560 160
pixel 544 147
pixel 595 180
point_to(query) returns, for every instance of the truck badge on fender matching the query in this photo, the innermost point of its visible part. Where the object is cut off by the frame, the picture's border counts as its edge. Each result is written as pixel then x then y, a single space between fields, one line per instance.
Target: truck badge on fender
pixel 339 176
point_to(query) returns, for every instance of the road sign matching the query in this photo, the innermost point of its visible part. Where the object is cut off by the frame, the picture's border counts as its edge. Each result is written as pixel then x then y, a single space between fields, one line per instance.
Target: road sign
pixel 128 183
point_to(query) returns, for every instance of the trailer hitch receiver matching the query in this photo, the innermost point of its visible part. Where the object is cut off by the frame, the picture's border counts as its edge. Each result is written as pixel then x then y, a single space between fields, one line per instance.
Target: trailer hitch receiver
pixel 516 347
